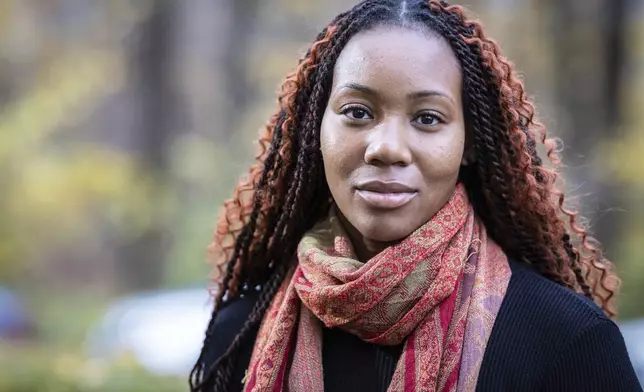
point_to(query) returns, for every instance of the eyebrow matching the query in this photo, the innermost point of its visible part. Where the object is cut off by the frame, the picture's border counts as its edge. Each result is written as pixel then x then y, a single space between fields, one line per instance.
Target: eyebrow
pixel 429 93
pixel 411 96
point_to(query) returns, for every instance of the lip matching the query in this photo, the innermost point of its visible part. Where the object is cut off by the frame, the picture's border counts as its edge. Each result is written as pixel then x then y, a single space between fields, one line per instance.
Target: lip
pixel 385 195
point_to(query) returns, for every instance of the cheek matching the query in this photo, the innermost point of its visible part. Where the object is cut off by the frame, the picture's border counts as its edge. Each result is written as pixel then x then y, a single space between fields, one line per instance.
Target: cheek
pixel 442 156
pixel 338 149
pixel 328 144
pixel 328 139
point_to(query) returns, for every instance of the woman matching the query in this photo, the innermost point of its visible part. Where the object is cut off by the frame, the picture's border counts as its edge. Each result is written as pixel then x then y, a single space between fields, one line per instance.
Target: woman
pixel 400 231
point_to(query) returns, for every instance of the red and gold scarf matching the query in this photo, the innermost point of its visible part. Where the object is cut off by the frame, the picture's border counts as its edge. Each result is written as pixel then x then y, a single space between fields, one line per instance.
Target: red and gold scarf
pixel 438 291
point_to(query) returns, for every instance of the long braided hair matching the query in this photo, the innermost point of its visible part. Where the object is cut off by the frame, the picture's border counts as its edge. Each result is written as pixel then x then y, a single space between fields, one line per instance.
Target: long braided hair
pixel 511 189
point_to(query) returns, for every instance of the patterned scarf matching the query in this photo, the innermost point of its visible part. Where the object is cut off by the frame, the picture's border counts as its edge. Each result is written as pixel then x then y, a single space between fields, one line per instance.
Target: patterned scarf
pixel 438 291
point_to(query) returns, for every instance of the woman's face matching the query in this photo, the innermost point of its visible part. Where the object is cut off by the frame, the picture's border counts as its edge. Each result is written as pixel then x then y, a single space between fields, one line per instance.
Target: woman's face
pixel 393 135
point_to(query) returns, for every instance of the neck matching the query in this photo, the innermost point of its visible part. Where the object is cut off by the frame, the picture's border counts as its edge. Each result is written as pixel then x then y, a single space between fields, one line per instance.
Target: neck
pixel 365 248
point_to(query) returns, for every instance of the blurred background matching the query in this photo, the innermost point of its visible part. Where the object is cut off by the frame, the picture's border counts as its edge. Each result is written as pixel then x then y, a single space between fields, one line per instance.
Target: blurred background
pixel 124 124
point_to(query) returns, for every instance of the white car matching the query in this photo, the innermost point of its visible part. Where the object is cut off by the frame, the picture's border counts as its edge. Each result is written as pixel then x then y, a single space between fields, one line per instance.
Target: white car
pixel 162 330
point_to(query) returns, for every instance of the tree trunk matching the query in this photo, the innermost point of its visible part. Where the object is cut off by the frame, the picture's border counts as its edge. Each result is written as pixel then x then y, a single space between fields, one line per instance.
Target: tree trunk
pixel 238 89
pixel 141 260
pixel 588 39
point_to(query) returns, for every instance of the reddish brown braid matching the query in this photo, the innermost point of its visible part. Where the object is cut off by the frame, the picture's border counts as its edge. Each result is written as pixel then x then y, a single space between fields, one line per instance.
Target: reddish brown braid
pixel 285 192
pixel 536 197
pixel 237 210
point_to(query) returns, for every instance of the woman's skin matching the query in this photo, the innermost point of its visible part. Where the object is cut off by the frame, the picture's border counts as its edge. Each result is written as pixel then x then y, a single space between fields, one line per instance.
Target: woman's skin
pixel 393 134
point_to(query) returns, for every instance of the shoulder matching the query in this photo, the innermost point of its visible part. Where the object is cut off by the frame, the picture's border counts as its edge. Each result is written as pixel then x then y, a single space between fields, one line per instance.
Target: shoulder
pixel 595 359
pixel 538 316
pixel 229 321
pixel 545 310
pixel 534 296
pixel 547 335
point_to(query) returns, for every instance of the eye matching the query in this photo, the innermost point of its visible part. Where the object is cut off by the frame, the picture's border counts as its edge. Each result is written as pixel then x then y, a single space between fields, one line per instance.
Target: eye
pixel 357 113
pixel 428 119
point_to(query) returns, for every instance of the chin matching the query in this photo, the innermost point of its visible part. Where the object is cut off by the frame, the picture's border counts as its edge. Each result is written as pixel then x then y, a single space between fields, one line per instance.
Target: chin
pixel 387 230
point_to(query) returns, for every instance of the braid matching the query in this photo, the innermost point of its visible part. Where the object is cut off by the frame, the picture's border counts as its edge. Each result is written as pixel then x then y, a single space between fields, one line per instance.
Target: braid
pixel 220 371
pixel 232 268
pixel 286 193
pixel 483 114
pixel 312 120
pixel 303 101
pixel 536 224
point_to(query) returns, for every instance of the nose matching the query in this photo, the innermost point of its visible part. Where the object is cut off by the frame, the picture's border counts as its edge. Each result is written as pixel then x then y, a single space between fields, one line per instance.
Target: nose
pixel 388 144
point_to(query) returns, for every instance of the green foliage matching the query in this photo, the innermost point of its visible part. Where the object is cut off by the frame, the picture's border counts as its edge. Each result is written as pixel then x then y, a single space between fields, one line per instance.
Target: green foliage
pixel 631 270
pixel 53 192
pixel 621 160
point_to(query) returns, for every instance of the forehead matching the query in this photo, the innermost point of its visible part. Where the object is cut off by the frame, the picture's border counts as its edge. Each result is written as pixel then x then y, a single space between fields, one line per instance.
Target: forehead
pixel 400 59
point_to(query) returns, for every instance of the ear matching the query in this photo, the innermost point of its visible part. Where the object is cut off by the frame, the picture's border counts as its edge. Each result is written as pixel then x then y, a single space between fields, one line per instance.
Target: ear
pixel 468 154
pixel 468 159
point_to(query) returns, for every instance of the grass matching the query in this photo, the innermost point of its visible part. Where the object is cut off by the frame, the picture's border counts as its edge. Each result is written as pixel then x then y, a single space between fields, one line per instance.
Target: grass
pixel 55 361
pixel 43 368
pixel 64 319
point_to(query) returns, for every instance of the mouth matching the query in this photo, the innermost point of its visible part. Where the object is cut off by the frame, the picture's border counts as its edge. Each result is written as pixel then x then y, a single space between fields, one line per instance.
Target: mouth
pixel 385 195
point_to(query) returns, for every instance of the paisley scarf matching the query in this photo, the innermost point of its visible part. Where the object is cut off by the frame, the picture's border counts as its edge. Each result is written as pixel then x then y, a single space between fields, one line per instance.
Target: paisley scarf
pixel 438 292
